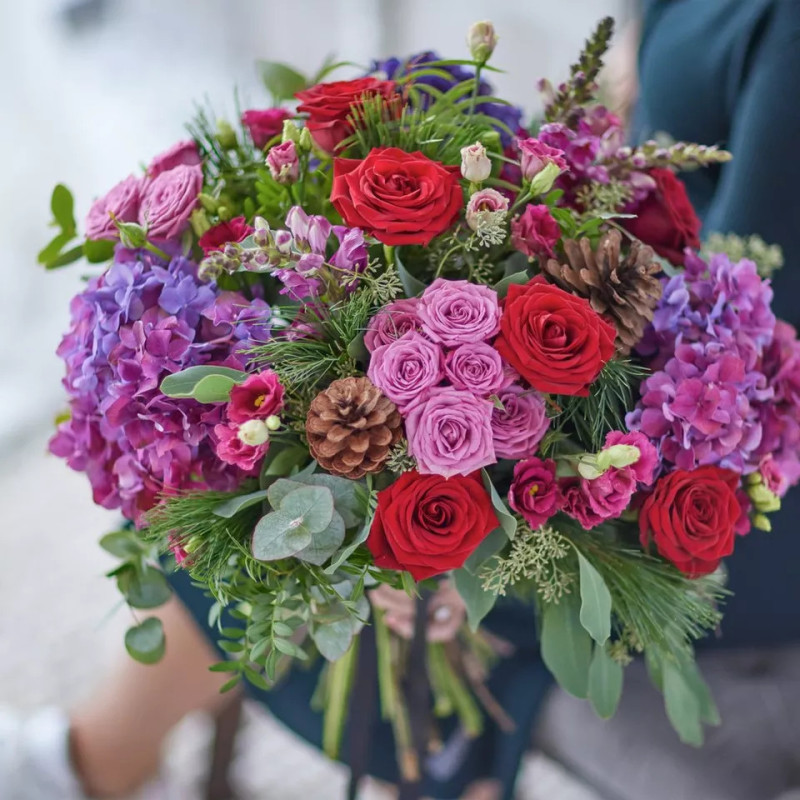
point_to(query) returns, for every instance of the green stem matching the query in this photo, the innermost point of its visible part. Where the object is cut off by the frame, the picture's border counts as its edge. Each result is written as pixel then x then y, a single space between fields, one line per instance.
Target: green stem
pixel 340 680
pixel 522 198
pixel 475 89
pixel 156 250
pixel 387 679
pixel 444 258
pixel 388 254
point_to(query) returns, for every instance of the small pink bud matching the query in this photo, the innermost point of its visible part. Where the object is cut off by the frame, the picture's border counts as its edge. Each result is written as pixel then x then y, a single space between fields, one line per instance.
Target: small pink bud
pixel 475 164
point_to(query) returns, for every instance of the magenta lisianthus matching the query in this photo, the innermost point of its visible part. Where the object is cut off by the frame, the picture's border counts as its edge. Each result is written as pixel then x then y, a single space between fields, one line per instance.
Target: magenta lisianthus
pixel 535 156
pixel 264 124
pixel 122 201
pixel 169 200
pixel 259 396
pixel 406 369
pixel 216 237
pixel 454 312
pixel 392 322
pixel 476 367
pixel 232 450
pixel 518 427
pixel 645 468
pixel 181 153
pixel 534 491
pixel 283 163
pixel 591 502
pixel 450 433
pixel 535 232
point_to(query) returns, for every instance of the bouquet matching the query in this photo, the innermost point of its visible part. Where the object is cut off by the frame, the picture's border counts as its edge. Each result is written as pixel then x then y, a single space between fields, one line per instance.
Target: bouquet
pixel 381 333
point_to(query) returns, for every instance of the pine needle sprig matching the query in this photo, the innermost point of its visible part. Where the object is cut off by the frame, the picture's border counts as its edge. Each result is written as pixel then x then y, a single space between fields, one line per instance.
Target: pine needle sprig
pixel 580 89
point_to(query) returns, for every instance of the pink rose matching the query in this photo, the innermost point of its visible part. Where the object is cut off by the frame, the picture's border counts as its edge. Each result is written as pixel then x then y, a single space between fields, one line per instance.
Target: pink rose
pixel 122 201
pixel 519 426
pixel 406 369
pixel 284 166
pixel 258 397
pixel 454 312
pixel 264 125
pixel 232 450
pixel 392 322
pixel 450 433
pixel 535 232
pixel 476 367
pixel 180 153
pixel 169 200
pixel 536 155
pixel 645 468
pixel 534 492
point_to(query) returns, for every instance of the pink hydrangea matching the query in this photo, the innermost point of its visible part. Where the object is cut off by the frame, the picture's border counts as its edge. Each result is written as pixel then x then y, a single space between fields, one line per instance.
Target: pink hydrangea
pixel 122 201
pixel 534 492
pixel 259 396
pixel 535 232
pixel 232 450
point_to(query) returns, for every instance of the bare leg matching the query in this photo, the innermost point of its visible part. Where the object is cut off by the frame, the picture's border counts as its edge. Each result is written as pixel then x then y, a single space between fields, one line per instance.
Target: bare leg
pixel 117 734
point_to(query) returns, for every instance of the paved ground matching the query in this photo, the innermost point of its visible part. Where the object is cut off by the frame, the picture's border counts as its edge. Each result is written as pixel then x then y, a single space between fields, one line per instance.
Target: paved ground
pixel 59 631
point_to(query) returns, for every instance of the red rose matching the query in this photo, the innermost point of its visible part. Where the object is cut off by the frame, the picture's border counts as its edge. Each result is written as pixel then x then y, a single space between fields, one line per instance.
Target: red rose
pixel 398 197
pixel 264 125
pixel 691 517
pixel 665 219
pixel 217 237
pixel 427 524
pixel 328 106
pixel 554 339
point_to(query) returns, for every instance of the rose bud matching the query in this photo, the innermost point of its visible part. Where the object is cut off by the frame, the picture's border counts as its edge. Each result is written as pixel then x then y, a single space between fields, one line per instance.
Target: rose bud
pixel 475 164
pixel 283 163
pixel 482 41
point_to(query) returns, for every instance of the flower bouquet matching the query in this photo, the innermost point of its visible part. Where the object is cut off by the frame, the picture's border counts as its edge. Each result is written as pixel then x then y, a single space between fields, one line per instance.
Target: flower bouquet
pixel 385 334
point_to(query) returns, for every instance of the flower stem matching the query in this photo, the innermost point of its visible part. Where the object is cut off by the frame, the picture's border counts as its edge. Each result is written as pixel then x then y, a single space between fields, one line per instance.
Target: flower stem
pixel 157 251
pixel 475 89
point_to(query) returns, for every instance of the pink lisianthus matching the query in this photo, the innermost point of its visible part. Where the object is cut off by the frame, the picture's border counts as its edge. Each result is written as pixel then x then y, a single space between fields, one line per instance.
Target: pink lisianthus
pixel 450 433
pixel 184 152
pixel 645 468
pixel 743 524
pixel 283 163
pixel 535 156
pixel 773 476
pixel 258 397
pixel 591 502
pixel 392 322
pixel 535 232
pixel 534 492
pixel 215 238
pixel 518 427
pixel 169 200
pixel 264 124
pixel 232 450
pixel 486 205
pixel 122 201
pixel 476 367
pixel 576 504
pixel 454 312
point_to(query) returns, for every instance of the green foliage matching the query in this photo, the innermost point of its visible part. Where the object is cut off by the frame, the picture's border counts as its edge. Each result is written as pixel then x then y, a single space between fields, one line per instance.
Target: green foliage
pixel 62 206
pixel 610 396
pixel 519 278
pixel 477 600
pixel 145 642
pixel 768 257
pixel 595 613
pixel 508 522
pixel 605 683
pixel 566 647
pixel 281 80
pixel 204 384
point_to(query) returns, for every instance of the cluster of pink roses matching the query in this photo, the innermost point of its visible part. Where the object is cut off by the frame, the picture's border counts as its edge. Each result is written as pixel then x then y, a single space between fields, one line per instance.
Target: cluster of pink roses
pixel 463 406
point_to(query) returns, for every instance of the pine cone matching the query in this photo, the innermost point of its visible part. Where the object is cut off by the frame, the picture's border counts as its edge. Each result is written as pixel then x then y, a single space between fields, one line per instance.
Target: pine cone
pixel 351 426
pixel 624 289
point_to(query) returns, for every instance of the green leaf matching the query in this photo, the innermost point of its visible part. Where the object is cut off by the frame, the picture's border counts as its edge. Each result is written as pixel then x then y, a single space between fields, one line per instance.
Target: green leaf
pixel 332 638
pixel 346 552
pixel 313 505
pixel 605 683
pixel 345 498
pixel 328 66
pixel 281 80
pixel 357 350
pixel 217 383
pixel 63 207
pixel 507 522
pixel 279 489
pixel 146 588
pixel 492 544
pixel 283 461
pixel 566 647
pixel 478 602
pixel 290 649
pixel 595 602
pixel 98 251
pixel 279 535
pixel 145 642
pixel 325 543
pixel 411 286
pixel 54 247
pixel 230 508
pixel 122 544
pixel 682 704
pixel 709 713
pixel 65 258
pixel 501 287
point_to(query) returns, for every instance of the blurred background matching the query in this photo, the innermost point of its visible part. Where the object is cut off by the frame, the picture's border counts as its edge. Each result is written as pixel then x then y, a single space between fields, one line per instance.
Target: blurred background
pixel 91 90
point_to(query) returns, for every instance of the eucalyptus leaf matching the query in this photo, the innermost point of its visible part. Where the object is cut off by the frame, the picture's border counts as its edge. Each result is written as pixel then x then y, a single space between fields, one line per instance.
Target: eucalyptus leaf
pixel 566 647
pixel 490 546
pixel 507 522
pixel 354 544
pixel 682 705
pixel 595 602
pixel 345 497
pixel 313 505
pixel 145 642
pixel 66 257
pixel 605 683
pixel 332 638
pixel 230 508
pixel 477 601
pixel 325 543
pixel 281 80
pixel 501 287
pixel 278 490
pixel 53 248
pixel 146 588
pixel 213 389
pixel 185 383
pixel 279 535
pixel 709 713
pixel 411 286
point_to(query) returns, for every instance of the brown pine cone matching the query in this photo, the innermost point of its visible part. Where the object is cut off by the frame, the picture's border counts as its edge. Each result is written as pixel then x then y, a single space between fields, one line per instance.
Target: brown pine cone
pixel 624 288
pixel 351 427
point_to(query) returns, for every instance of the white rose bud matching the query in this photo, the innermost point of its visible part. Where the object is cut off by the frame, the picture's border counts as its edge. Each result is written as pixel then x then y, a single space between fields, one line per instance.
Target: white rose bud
pixel 482 41
pixel 254 432
pixel 476 166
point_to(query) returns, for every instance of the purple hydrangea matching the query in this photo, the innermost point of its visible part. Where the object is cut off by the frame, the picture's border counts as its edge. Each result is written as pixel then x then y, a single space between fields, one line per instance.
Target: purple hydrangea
pixel 138 322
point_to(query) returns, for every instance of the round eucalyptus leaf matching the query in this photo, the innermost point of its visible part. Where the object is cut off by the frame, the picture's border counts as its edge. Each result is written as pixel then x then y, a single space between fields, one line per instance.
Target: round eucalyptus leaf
pixel 279 535
pixel 312 505
pixel 145 642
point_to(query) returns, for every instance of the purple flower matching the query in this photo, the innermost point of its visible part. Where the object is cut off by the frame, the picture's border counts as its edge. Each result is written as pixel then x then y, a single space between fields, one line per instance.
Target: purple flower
pixel 312 231
pixel 454 312
pixel 519 426
pixel 534 492
pixel 392 322
pixel 122 201
pixel 406 369
pixel 169 200
pixel 352 255
pixel 450 433
pixel 476 367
